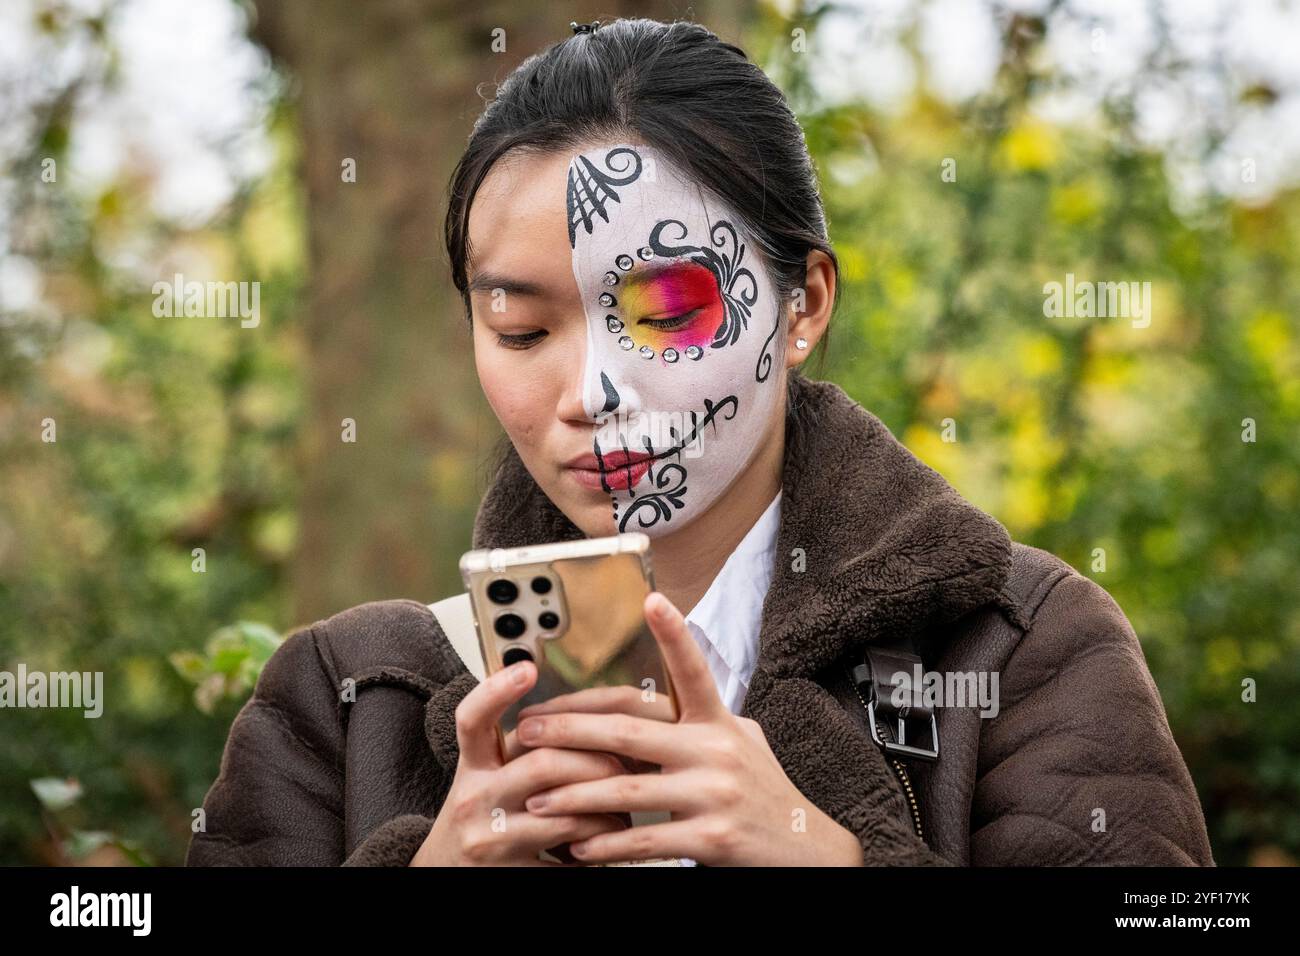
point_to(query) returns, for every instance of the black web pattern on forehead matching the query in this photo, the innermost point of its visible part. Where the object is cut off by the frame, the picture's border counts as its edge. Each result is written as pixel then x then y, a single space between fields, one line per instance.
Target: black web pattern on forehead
pixel 591 188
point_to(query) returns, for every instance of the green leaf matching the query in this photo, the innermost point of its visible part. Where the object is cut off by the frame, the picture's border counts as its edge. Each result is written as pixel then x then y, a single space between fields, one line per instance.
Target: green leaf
pixel 260 640
pixel 191 666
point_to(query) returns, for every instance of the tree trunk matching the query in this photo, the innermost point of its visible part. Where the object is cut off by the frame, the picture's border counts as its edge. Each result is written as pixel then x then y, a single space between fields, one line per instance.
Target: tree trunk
pixel 392 85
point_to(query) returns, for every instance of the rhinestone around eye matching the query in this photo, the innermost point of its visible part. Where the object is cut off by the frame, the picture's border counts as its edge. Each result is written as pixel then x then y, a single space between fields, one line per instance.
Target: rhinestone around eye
pixel 607 300
pixel 624 262
pixel 694 352
pixel 647 352
pixel 613 324
pixel 611 278
pixel 645 252
pixel 670 355
pixel 626 342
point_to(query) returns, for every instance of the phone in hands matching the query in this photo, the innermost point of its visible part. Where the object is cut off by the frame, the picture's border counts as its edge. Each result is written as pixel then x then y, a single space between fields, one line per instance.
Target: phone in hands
pixel 576 610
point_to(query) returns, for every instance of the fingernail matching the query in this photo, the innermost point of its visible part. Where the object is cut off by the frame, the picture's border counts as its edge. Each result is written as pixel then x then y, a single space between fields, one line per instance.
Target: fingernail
pixel 519 675
pixel 578 849
pixel 537 803
pixel 530 729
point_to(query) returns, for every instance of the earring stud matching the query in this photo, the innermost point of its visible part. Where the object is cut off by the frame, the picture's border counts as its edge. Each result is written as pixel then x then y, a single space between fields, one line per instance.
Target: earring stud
pixel 801 343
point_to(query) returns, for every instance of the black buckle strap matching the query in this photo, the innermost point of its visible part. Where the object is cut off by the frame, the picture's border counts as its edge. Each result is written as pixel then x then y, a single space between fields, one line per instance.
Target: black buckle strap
pixel 875 681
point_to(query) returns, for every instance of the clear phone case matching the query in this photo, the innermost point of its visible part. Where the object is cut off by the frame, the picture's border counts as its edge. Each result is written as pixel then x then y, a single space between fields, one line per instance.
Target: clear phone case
pixel 576 608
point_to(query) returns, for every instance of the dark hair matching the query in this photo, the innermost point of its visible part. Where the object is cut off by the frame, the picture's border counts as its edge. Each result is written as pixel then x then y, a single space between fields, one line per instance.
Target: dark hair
pixel 686 93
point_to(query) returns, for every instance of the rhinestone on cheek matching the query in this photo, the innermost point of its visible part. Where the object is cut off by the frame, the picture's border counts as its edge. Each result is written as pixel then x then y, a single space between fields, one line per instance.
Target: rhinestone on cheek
pixel 647 352
pixel 694 352
pixel 670 355
pixel 607 300
pixel 646 253
pixel 613 323
pixel 626 342
pixel 611 278
pixel 624 262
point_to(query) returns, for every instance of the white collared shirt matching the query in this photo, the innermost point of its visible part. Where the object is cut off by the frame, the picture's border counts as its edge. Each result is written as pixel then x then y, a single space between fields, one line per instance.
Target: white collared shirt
pixel 725 622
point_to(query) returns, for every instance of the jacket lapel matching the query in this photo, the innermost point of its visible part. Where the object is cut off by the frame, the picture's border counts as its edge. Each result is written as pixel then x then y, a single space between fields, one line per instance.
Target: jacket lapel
pixel 872 543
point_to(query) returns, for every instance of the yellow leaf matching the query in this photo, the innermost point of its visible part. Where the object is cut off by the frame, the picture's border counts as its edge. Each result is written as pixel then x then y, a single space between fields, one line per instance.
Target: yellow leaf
pixel 1031 145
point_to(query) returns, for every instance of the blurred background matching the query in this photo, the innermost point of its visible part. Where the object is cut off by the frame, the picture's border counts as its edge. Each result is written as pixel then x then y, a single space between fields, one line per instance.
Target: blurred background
pixel 198 504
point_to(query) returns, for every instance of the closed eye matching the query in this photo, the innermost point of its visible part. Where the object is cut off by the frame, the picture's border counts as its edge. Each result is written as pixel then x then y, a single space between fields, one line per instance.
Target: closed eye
pixel 672 322
pixel 523 341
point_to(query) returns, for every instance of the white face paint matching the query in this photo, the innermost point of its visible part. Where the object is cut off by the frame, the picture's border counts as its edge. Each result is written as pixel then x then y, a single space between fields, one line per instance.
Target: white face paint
pixel 684 348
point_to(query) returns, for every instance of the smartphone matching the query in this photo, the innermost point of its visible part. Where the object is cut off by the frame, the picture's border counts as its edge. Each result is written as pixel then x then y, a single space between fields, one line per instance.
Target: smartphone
pixel 576 610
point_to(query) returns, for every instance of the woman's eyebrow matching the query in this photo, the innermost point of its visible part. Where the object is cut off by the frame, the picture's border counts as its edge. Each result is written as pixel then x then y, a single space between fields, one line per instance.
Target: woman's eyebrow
pixel 491 281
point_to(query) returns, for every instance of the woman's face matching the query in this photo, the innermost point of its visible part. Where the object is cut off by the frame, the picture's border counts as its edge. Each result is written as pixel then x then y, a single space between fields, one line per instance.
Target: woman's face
pixel 626 334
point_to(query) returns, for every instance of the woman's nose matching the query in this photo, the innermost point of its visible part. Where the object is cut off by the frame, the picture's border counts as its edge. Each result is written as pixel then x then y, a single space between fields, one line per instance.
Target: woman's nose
pixel 590 396
pixel 605 392
pixel 612 398
pixel 602 397
pixel 612 392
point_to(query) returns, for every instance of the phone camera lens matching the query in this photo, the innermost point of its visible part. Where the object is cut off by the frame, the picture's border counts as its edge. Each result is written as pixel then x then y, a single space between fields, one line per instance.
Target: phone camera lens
pixel 510 625
pixel 548 620
pixel 514 655
pixel 541 585
pixel 502 591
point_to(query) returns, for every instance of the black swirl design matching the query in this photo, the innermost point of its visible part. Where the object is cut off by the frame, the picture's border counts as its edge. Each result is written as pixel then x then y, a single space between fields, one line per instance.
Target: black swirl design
pixel 660 504
pixel 736 284
pixel 764 365
pixel 656 506
pixel 591 188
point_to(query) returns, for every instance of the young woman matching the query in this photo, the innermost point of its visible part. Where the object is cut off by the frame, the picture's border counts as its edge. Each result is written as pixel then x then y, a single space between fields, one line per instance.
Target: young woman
pixel 637 232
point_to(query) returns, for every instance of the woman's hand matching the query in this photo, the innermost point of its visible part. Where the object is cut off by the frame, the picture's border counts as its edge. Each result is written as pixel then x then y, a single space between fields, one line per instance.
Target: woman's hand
pixel 730 799
pixel 482 822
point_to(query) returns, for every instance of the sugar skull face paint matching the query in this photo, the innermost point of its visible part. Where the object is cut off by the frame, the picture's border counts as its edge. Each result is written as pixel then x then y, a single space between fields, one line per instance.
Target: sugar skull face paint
pixel 679 303
pixel 683 325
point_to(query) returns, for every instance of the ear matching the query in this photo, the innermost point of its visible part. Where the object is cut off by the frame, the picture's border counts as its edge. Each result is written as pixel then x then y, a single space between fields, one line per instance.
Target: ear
pixel 810 308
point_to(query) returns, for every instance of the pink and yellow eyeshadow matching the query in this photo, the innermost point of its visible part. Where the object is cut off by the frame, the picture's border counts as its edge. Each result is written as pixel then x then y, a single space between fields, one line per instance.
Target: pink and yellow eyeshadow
pixel 672 291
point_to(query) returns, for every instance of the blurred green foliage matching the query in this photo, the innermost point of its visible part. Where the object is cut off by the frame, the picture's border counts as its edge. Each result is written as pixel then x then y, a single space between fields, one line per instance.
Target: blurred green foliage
pixel 229 667
pixel 1082 434
pixel 1090 438
pixel 58 799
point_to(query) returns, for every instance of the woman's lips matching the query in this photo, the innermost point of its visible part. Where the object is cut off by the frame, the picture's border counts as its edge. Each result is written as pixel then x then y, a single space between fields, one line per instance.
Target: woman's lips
pixel 615 471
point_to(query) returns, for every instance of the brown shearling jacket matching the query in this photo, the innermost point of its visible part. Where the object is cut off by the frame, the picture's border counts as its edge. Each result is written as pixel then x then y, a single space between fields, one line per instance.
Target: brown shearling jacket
pixel 315 776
